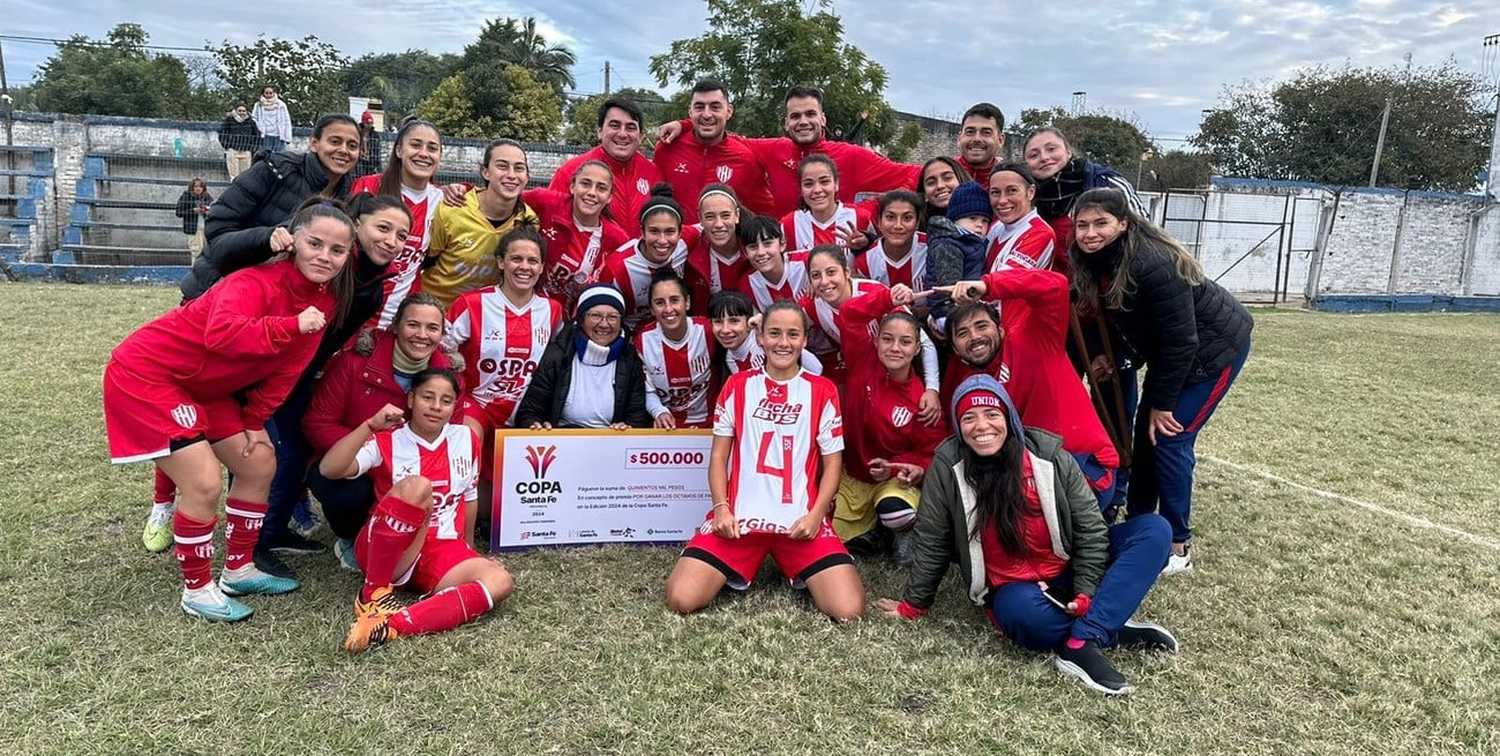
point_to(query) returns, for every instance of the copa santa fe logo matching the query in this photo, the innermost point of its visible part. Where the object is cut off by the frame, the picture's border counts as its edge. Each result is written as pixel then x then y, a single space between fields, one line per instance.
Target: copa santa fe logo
pixel 539 490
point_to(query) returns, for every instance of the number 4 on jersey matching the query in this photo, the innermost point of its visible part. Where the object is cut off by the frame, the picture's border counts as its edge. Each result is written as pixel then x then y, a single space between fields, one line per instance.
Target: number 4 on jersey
pixel 767 440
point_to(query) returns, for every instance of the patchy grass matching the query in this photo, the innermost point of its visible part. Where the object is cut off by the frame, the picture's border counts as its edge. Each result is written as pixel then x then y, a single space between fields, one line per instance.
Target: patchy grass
pixel 1311 627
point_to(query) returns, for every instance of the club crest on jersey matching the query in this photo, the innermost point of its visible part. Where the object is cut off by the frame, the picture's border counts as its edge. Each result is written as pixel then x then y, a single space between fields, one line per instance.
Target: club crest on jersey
pixel 724 173
pixel 1003 373
pixel 540 458
pixel 900 416
pixel 185 415
pixel 642 186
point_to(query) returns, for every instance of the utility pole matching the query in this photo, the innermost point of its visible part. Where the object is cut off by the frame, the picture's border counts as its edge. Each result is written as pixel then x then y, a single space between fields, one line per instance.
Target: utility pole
pixel 1385 119
pixel 606 78
pixel 6 107
pixel 1492 185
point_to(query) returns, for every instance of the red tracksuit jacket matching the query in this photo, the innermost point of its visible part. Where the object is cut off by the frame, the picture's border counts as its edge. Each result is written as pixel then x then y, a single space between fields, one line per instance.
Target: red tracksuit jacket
pixel 632 185
pixel 860 169
pixel 1033 362
pixel 241 335
pixel 353 388
pixel 689 165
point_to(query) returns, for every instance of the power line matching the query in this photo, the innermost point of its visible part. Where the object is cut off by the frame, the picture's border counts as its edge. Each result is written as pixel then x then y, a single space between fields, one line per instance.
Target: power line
pixel 96 43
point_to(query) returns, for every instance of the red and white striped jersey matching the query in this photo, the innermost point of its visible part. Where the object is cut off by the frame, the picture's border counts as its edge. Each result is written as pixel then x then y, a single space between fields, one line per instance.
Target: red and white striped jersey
pixel 629 270
pixel 826 319
pixel 804 232
pixel 575 252
pixel 1027 243
pixel 750 356
pixel 781 430
pixel 911 269
pixel 678 372
pixel 726 274
pixel 792 286
pixel 450 463
pixel 407 266
pixel 501 343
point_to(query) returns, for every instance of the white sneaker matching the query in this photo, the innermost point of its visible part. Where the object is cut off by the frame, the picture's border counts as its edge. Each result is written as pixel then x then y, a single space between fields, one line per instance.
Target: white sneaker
pixel 1179 563
pixel 210 603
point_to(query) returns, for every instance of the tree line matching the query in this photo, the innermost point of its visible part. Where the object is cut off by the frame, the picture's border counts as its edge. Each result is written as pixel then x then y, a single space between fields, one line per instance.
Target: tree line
pixel 1320 125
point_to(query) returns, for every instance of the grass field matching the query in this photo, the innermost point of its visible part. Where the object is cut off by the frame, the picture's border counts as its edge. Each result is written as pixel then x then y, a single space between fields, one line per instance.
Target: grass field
pixel 1312 626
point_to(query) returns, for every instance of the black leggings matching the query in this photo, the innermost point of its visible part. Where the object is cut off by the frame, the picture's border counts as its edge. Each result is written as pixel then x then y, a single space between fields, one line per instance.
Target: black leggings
pixel 346 503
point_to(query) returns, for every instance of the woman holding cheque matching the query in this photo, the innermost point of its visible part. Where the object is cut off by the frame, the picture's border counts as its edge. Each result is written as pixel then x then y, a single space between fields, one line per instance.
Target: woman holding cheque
pixel 772 429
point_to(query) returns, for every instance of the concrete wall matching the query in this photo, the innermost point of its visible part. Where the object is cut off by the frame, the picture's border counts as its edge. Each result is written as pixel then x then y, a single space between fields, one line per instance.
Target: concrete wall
pixel 939 137
pixel 174 151
pixel 1258 238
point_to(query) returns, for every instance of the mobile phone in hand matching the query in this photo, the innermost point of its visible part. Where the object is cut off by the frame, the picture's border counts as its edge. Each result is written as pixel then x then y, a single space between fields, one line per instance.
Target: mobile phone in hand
pixel 1049 593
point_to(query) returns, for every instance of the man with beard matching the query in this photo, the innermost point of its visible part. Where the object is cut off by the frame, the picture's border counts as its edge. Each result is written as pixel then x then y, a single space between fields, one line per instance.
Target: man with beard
pixel 861 170
pixel 1028 355
pixel 981 136
pixel 620 124
pixel 709 153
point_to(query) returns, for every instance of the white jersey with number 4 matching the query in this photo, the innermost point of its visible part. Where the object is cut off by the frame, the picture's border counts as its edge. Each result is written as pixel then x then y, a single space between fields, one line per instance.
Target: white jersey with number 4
pixel 391 456
pixel 781 429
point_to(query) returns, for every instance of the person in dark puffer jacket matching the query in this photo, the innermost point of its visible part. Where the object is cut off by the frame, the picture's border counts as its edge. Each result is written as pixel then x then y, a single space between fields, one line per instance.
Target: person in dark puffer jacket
pixel 570 388
pixel 242 226
pixel 1191 335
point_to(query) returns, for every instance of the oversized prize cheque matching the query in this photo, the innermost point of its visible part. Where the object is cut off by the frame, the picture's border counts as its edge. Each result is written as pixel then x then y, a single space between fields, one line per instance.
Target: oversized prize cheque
pixel 573 487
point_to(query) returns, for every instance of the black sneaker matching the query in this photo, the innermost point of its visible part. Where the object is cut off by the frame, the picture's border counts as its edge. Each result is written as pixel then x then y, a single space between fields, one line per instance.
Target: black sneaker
pixel 271 564
pixel 292 543
pixel 1087 663
pixel 1147 635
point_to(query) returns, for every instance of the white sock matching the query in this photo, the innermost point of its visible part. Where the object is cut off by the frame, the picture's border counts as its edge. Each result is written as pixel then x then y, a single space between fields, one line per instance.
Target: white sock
pixel 162 511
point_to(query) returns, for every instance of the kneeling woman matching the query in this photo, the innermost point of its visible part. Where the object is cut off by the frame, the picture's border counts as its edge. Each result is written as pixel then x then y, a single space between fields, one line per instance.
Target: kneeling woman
pixel 772 429
pixel 1034 550
pixel 426 476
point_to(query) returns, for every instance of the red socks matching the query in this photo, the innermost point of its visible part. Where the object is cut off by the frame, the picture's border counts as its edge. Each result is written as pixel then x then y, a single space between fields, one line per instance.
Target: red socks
pixel 444 610
pixel 393 525
pixel 195 549
pixel 166 490
pixel 242 531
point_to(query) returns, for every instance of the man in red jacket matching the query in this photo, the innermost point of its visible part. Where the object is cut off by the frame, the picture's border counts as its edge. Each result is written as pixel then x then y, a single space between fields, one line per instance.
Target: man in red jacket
pixel 711 154
pixel 860 169
pixel 620 124
pixel 981 137
pixel 1025 348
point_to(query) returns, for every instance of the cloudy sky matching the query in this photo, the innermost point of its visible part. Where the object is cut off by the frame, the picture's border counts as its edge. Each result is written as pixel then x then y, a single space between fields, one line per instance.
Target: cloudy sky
pixel 1162 62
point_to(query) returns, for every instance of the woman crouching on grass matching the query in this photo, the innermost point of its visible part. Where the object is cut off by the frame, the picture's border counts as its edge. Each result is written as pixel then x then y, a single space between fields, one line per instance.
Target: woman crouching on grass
pixel 772 429
pixel 194 388
pixel 1011 505
pixel 426 477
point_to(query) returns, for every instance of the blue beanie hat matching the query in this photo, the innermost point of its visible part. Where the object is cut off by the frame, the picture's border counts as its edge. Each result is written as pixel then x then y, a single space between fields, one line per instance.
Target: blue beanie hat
pixel 970 199
pixel 599 294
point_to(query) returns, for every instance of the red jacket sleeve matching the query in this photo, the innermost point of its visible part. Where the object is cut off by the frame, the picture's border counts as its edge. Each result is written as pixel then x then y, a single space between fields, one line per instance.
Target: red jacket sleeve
pixel 875 172
pixel 324 422
pixel 924 441
pixel 237 325
pixel 864 308
pixel 1045 294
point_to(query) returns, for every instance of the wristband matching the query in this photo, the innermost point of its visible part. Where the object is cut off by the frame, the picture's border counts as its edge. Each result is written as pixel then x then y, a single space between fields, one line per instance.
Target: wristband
pixel 723 504
pixel 1082 601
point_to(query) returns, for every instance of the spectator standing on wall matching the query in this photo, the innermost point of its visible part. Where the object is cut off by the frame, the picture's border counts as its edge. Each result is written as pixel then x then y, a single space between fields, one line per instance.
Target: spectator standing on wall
pixel 274 121
pixel 240 137
pixel 191 207
pixel 369 146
